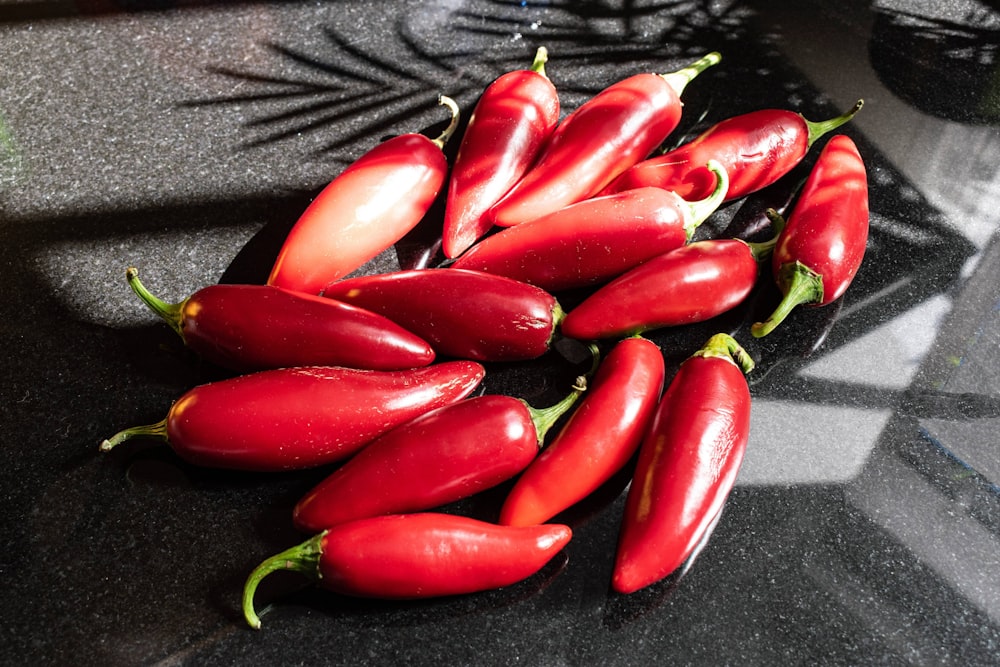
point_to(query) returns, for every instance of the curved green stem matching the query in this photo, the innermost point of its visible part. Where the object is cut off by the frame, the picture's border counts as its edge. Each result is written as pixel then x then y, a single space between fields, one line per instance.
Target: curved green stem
pixel 724 346
pixel 545 418
pixel 698 211
pixel 818 128
pixel 172 313
pixel 681 78
pixel 302 558
pixel 443 138
pixel 157 430
pixel 761 249
pixel 541 57
pixel 800 285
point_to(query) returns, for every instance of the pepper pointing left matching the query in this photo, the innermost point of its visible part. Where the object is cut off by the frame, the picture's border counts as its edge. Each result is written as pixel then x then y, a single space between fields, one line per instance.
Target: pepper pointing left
pixel 370 206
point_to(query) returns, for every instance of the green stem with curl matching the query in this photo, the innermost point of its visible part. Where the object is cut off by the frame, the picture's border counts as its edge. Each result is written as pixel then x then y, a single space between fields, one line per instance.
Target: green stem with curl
pixel 681 78
pixel 172 313
pixel 541 57
pixel 545 418
pixel 761 249
pixel 818 128
pixel 698 211
pixel 800 285
pixel 443 138
pixel 303 558
pixel 157 430
pixel 724 346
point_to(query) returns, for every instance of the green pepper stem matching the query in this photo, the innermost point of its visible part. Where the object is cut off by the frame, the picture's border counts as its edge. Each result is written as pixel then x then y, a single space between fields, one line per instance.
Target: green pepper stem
pixel 698 211
pixel 443 138
pixel 681 78
pixel 761 249
pixel 303 558
pixel 157 430
pixel 800 285
pixel 541 57
pixel 545 418
pixel 172 313
pixel 724 346
pixel 818 128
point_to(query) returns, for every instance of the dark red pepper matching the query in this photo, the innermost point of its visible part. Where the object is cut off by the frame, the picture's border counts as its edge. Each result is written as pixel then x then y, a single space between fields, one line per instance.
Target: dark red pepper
pixel 462 314
pixel 756 149
pixel 440 457
pixel 295 418
pixel 406 556
pixel 691 284
pixel 513 118
pixel 687 464
pixel 603 137
pixel 594 240
pixel 821 248
pixel 257 327
pixel 597 441
pixel 363 211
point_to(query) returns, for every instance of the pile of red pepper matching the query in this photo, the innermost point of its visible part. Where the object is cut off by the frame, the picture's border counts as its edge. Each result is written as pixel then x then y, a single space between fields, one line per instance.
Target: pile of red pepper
pixel 373 375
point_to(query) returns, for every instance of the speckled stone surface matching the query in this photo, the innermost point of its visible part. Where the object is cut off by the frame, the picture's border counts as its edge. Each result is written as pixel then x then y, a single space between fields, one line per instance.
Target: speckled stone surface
pixel 184 137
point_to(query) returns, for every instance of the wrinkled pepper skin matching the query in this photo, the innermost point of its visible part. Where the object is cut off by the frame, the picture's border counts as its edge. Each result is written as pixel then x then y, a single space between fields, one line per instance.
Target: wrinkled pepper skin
pixel 687 465
pixel 599 140
pixel 422 555
pixel 597 441
pixel 294 418
pixel 755 148
pixel 821 247
pixel 366 209
pixel 513 118
pixel 249 328
pixel 461 314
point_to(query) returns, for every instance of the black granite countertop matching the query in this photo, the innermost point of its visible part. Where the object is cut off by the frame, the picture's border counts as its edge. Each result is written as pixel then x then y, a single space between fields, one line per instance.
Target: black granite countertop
pixel 184 137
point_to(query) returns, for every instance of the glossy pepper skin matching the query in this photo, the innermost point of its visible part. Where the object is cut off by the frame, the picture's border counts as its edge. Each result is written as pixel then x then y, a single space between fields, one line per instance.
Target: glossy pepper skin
pixel 513 118
pixel 603 137
pixel 462 314
pixel 294 418
pixel 823 243
pixel 756 149
pixel 407 556
pixel 598 439
pixel 442 456
pixel 691 284
pixel 687 464
pixel 257 327
pixel 370 206
pixel 592 241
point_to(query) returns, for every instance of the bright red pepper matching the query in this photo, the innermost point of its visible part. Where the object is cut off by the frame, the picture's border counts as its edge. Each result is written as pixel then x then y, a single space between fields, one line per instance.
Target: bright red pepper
pixel 594 240
pixel 821 248
pixel 691 284
pixel 756 149
pixel 257 327
pixel 687 464
pixel 462 314
pixel 295 418
pixel 363 211
pixel 513 118
pixel 407 556
pixel 597 440
pixel 602 138
pixel 440 457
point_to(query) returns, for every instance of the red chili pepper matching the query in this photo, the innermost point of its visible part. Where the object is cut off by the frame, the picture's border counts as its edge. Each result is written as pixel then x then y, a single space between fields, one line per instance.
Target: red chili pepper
pixel 756 149
pixel 691 284
pixel 513 118
pixel 257 327
pixel 368 207
pixel 687 464
pixel 462 314
pixel 440 457
pixel 821 248
pixel 594 240
pixel 597 441
pixel 295 418
pixel 599 140
pixel 407 556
